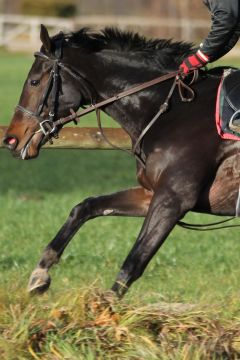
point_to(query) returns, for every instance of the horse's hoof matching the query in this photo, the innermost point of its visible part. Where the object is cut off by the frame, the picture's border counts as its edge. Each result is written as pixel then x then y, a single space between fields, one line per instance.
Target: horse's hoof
pixel 110 297
pixel 39 281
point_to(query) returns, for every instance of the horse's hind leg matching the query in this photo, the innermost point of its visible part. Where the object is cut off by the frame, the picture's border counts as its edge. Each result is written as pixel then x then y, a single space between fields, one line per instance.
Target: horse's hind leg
pixel 130 202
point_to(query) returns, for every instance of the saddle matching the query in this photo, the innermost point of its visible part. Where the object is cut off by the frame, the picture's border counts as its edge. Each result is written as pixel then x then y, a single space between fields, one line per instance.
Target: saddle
pixel 228 103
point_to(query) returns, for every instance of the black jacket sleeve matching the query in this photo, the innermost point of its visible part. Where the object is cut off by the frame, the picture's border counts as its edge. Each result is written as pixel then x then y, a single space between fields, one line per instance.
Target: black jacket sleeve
pixel 225 29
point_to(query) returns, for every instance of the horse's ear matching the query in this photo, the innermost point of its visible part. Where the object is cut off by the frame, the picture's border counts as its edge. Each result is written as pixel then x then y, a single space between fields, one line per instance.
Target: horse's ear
pixel 45 39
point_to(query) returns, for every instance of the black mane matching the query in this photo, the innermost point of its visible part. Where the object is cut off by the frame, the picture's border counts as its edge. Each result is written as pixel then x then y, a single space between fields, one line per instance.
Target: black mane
pixel 160 50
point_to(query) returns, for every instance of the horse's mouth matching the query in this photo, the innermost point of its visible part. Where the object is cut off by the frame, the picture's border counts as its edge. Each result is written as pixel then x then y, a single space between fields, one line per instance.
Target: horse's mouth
pixel 24 151
pixel 31 148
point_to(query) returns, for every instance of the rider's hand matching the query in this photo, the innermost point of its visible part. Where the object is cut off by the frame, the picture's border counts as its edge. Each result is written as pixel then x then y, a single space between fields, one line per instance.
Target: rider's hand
pixel 193 62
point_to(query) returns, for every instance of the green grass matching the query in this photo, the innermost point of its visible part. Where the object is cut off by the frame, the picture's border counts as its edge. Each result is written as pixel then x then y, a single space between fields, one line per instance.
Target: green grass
pixel 37 196
pixel 13 72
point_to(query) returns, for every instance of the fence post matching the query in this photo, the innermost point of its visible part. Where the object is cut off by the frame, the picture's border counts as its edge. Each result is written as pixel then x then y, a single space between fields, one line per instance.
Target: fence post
pixel 187 30
pixel 186 21
pixel 1 29
pixel 34 32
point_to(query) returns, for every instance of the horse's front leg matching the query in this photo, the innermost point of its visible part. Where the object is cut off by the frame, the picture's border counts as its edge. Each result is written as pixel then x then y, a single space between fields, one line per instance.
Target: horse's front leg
pixel 130 202
pixel 166 208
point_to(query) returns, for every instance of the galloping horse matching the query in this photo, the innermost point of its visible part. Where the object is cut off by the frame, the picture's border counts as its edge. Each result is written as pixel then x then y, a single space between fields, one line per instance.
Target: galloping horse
pixel 187 166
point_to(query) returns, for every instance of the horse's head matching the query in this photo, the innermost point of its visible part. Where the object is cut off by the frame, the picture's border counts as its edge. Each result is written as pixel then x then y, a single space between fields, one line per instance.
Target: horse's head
pixel 50 91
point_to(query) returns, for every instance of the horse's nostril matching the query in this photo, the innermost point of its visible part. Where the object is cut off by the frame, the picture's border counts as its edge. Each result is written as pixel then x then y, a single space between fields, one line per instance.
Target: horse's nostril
pixel 10 142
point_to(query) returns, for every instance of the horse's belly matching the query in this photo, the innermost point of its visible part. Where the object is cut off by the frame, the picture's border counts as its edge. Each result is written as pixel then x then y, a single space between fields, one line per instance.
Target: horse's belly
pixel 220 197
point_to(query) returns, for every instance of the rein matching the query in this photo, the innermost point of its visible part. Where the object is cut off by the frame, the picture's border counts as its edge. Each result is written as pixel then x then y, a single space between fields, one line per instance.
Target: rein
pixel 136 151
pixel 114 98
pixel 163 108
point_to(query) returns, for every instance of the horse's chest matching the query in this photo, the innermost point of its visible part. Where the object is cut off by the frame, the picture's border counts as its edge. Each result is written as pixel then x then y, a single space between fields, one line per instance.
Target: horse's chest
pixel 143 179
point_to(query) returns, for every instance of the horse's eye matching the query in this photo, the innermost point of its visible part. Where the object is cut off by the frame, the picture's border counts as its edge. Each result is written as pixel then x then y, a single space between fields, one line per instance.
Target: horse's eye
pixel 34 82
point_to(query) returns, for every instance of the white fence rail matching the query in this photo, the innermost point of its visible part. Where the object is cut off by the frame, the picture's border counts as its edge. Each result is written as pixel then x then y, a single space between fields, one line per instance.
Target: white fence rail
pixel 22 32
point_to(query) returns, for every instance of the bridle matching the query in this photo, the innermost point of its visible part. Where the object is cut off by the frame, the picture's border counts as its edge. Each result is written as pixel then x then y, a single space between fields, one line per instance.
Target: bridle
pixel 47 126
pixel 50 126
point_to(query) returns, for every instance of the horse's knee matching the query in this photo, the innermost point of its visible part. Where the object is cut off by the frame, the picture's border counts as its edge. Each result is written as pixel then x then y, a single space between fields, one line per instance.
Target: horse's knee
pixel 82 210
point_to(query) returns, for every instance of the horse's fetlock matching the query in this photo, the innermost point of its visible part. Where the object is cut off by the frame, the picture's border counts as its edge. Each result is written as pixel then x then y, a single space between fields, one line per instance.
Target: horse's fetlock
pixel 50 256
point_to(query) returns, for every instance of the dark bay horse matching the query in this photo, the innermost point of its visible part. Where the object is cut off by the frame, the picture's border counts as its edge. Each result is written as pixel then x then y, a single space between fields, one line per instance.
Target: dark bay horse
pixel 188 166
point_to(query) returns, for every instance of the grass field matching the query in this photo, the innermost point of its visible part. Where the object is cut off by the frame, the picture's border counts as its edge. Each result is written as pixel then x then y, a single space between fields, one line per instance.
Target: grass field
pixel 69 322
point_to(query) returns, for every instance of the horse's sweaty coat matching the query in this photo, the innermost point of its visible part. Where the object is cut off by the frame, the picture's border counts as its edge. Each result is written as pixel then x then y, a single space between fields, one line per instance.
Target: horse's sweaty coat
pixel 188 166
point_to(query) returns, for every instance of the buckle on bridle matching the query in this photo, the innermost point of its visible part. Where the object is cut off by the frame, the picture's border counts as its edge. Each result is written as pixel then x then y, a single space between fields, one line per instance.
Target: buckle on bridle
pixel 47 127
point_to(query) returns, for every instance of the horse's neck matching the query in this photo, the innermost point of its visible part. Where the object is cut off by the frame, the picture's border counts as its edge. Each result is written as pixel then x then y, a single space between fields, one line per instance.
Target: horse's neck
pixel 110 74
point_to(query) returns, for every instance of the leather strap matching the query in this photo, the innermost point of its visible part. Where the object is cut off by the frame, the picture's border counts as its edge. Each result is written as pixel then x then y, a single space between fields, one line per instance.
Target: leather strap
pixel 163 109
pixel 114 98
